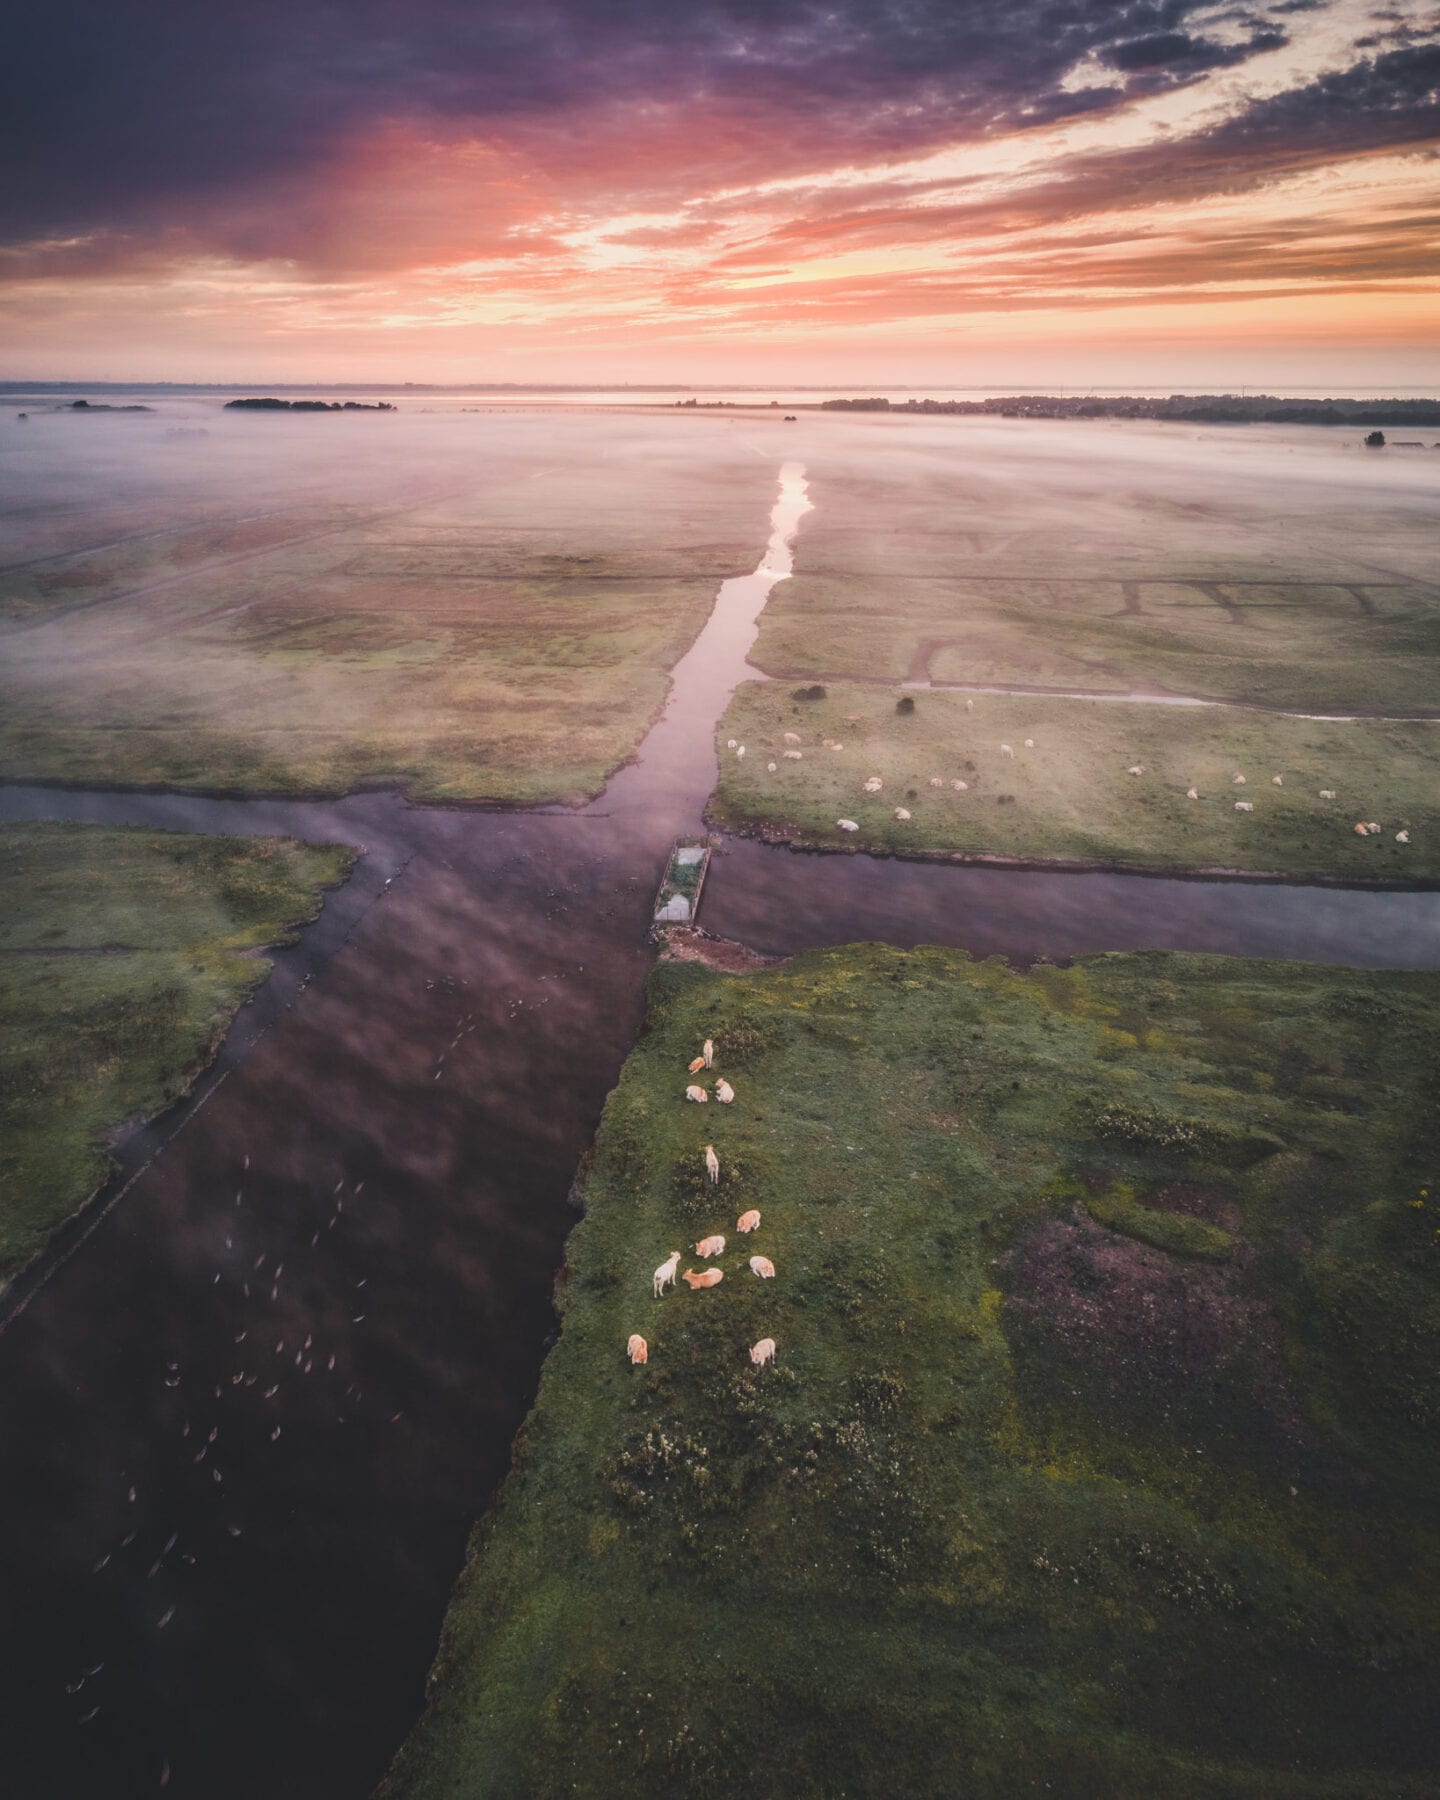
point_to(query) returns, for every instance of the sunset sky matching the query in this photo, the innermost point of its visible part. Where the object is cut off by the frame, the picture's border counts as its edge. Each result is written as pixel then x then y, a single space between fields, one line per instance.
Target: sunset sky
pixel 900 191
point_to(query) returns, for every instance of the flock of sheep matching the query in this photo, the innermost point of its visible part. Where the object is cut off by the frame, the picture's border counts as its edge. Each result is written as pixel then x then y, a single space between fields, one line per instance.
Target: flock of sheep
pixel 874 784
pixel 707 1248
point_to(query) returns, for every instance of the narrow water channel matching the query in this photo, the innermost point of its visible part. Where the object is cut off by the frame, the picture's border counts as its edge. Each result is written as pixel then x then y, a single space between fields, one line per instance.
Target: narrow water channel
pixel 249 1411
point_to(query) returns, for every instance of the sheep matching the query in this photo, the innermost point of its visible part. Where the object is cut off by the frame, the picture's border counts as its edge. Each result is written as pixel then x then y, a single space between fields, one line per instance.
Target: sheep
pixel 1277 781
pixel 1237 780
pixel 1005 750
pixel 763 1352
pixel 1373 829
pixel 837 746
pixel 1362 831
pixel 1244 806
pixel 1029 743
pixel 1192 794
pixel 637 1349
pixel 873 784
pixel 711 1246
pixel 724 1093
pixel 847 825
pixel 763 1267
pixel 902 813
pixel 961 787
pixel 740 753
pixel 697 1065
pixel 697 1094
pixel 712 1165
pixel 748 1221
pixel 969 706
pixel 1136 769
pixel 794 756
pixel 706 1278
pixel 731 743
pixel 664 1276
pixel 792 737
pixel 707 1050
pixel 1402 837
pixel 827 743
pixel 937 781
pixel 1327 793
pixel 771 767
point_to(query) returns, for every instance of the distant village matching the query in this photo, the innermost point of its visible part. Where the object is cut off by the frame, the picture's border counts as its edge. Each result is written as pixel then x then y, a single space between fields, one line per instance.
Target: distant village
pixel 1206 409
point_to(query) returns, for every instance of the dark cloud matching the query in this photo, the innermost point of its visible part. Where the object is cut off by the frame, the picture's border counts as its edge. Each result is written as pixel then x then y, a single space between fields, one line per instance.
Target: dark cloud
pixel 1177 53
pixel 117 114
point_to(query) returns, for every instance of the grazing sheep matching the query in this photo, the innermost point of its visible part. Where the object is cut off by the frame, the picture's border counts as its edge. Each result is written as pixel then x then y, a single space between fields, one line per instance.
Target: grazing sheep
pixel 705 1279
pixel 960 787
pixel 827 743
pixel 697 1094
pixel 665 1275
pixel 873 784
pixel 1244 806
pixel 969 706
pixel 731 743
pixel 1277 781
pixel 792 737
pixel 1136 769
pixel 902 813
pixel 1402 837
pixel 937 781
pixel 637 1349
pixel 1237 781
pixel 1029 743
pixel 794 756
pixel 748 1221
pixel 763 1267
pixel 1005 750
pixel 707 1050
pixel 1327 793
pixel 771 767
pixel 712 1164
pixel 763 1352
pixel 837 746
pixel 711 1246
pixel 847 824
pixel 740 754
pixel 1192 794
pixel 724 1093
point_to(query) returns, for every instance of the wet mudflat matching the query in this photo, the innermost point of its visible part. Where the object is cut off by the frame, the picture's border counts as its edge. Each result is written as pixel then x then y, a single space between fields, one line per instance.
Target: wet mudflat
pixel 247 1422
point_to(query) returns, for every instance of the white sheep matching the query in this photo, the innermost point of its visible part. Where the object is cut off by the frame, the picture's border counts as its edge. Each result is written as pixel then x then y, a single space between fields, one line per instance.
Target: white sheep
pixel 1244 806
pixel 1029 743
pixel 771 767
pixel 637 1349
pixel 794 755
pixel 961 787
pixel 1136 769
pixel 724 1093
pixel 1237 781
pixel 837 746
pixel 710 1246
pixel 792 737
pixel 1277 781
pixel 873 784
pixel 748 1221
pixel 969 706
pixel 902 813
pixel 763 1267
pixel 1327 793
pixel 730 743
pixel 712 1164
pixel 1005 750
pixel 763 1352
pixel 664 1276
pixel 740 754
pixel 707 1050
pixel 1192 793
pixel 937 781
pixel 1402 837
pixel 847 824
pixel 697 1094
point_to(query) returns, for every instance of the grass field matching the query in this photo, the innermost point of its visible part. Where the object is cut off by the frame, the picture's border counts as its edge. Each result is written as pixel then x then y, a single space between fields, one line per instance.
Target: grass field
pixel 469 608
pixel 1271 566
pixel 1071 797
pixel 1099 1453
pixel 124 955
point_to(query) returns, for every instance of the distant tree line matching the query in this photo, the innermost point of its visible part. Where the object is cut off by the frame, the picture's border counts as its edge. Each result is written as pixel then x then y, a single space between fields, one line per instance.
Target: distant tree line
pixel 272 405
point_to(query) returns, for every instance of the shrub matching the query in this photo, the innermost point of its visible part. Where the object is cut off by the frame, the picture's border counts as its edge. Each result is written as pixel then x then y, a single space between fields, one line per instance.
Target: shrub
pixel 906 704
pixel 814 692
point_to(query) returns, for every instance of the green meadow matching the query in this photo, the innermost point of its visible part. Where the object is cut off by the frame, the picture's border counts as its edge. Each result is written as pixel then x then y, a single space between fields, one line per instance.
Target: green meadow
pixel 1098 1456
pixel 124 955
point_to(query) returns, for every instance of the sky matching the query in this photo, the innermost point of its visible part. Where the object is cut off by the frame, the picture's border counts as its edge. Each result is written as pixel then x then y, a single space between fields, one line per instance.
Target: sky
pixel 901 192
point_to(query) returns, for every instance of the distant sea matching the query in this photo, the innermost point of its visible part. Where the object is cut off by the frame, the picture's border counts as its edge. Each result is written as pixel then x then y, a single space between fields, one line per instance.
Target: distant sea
pixel 419 398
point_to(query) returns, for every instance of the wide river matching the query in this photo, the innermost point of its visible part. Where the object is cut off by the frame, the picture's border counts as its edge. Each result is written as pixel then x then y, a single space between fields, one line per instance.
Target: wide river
pixel 253 1400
